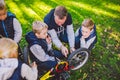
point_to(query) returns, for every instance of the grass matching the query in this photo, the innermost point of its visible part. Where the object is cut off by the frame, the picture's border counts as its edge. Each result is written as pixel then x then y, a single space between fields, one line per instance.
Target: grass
pixel 104 61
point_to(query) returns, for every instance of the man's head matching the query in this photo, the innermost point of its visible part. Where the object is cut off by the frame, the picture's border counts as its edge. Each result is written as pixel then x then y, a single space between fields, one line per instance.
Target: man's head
pixel 87 27
pixel 40 29
pixel 60 15
pixel 3 11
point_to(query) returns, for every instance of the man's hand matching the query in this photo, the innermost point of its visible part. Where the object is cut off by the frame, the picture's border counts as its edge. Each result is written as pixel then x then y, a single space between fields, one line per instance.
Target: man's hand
pixel 72 49
pixel 64 50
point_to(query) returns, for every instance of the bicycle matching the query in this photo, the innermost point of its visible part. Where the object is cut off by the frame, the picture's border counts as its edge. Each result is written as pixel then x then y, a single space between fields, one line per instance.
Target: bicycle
pixel 75 61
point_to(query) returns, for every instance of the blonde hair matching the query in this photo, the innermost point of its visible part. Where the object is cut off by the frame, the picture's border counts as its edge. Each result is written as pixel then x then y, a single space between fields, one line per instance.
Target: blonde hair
pixel 8 48
pixel 38 26
pixel 88 23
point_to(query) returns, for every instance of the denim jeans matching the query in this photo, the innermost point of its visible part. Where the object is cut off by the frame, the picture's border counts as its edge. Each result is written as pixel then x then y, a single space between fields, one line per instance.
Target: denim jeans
pixel 63 37
pixel 47 65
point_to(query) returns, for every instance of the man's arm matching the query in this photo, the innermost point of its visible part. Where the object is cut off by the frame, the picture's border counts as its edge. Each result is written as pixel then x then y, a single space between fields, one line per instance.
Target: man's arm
pixel 77 32
pixel 71 36
pixel 57 42
pixel 55 38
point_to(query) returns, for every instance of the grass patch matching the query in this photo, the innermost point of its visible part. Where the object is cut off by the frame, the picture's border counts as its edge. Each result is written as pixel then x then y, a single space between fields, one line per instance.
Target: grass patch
pixel 104 61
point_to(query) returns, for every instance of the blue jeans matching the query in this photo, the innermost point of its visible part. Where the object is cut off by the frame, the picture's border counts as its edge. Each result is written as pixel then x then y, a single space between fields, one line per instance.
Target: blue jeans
pixel 77 42
pixel 47 65
pixel 63 37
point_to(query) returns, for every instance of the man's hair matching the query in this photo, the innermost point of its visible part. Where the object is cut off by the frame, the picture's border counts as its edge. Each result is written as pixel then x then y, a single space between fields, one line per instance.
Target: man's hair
pixel 60 11
pixel 2 5
pixel 38 26
pixel 8 48
pixel 88 23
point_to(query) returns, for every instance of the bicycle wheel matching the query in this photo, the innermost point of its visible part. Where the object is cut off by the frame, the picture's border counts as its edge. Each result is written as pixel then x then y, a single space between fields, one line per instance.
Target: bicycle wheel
pixel 78 58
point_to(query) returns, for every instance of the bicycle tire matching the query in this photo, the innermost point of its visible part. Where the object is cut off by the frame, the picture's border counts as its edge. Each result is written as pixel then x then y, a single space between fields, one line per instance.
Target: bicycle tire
pixel 72 59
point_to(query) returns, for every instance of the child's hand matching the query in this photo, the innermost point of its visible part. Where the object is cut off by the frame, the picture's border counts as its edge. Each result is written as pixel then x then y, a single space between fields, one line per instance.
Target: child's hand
pixel 34 65
pixel 83 37
pixel 64 50
pixel 48 39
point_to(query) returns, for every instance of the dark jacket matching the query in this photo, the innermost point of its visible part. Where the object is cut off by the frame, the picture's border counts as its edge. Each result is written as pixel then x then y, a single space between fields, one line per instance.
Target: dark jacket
pixel 32 40
pixel 17 73
pixel 6 26
pixel 93 34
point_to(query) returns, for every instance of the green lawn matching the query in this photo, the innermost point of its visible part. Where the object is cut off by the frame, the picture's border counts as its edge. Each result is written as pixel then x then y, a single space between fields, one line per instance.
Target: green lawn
pixel 104 61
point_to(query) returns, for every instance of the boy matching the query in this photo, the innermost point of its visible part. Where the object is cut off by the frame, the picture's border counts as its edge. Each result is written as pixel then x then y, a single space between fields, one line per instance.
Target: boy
pixel 9 25
pixel 86 36
pixel 40 47
pixel 10 67
pixel 60 28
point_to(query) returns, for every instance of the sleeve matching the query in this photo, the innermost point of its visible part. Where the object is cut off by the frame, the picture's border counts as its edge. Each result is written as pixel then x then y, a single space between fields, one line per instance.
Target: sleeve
pixel 93 43
pixel 88 43
pixel 28 72
pixel 40 54
pixel 49 46
pixel 54 37
pixel 77 32
pixel 71 36
pixel 77 39
pixel 18 30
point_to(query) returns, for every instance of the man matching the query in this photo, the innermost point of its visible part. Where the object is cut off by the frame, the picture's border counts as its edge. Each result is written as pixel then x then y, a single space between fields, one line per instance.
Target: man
pixel 60 28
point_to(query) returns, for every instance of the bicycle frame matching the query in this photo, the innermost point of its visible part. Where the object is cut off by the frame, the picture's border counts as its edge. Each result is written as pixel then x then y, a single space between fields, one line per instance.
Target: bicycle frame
pixel 65 65
pixel 48 74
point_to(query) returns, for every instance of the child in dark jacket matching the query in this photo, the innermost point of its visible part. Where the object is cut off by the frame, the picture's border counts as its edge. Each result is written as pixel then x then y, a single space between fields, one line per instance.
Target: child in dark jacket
pixel 39 44
pixel 10 67
pixel 85 36
pixel 9 25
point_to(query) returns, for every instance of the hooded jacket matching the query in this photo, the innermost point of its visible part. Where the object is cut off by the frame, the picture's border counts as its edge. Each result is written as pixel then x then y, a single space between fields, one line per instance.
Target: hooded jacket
pixel 6 26
pixel 40 55
pixel 7 68
pixel 88 42
pixel 13 69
